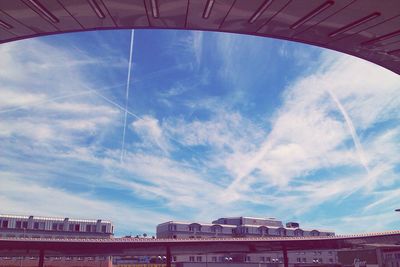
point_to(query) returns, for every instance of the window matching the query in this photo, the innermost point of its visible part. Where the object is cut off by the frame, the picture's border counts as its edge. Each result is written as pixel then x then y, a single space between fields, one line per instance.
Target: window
pixel 18 224
pixel 71 227
pixel 304 260
pixel 298 232
pixel 191 258
pixel 331 260
pixel 268 259
pixel 104 228
pixel 298 259
pixel 25 225
pixel 36 225
pixel 54 226
pixel 174 258
pixel 60 227
pixel 4 224
pixel 314 233
pixel 247 259
pixel 214 259
pixel 77 227
pixel 199 258
pixel 262 259
pixel 88 228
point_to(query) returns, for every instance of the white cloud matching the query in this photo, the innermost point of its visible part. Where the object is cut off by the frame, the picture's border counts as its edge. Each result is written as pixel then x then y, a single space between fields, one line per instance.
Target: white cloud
pixel 21 196
pixel 149 130
pixel 309 133
pixel 224 162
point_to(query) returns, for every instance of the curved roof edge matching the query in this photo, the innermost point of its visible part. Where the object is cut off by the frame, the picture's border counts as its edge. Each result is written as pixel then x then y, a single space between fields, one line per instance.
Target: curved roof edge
pixel 367 29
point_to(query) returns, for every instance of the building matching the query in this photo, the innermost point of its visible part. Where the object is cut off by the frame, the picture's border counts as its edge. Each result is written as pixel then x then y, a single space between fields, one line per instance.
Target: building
pixel 369 257
pixel 49 227
pixel 246 227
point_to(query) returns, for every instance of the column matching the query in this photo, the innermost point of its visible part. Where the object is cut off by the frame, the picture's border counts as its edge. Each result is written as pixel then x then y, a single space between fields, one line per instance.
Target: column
pixel 169 258
pixel 285 257
pixel 41 258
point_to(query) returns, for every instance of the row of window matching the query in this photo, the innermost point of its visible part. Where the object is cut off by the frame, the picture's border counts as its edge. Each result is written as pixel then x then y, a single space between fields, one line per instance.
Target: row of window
pixel 55 226
pixel 80 236
pixel 246 230
pixel 67 258
pixel 261 259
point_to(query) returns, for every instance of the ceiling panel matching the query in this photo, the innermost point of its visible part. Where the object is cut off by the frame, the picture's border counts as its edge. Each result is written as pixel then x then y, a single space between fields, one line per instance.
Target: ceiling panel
pixel 86 14
pixel 128 13
pixel 167 13
pixel 249 16
pixel 18 28
pixel 31 18
pixel 208 14
pixel 296 15
pixel 64 20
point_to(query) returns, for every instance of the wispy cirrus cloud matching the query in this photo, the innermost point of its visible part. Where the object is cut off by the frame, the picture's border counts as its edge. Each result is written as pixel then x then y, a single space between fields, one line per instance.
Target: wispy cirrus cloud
pixel 213 150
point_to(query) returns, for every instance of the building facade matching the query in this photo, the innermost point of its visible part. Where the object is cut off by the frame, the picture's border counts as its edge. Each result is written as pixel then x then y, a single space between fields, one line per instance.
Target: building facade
pixel 18 226
pixel 247 227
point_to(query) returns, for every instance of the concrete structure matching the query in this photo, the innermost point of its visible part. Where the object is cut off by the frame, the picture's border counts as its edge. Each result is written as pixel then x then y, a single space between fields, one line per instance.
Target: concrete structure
pixel 13 246
pixel 368 29
pixel 16 226
pixel 369 257
pixel 245 227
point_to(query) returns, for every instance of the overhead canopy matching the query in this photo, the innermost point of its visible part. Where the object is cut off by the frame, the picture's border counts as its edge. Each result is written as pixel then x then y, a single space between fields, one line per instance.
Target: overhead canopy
pixel 148 246
pixel 368 29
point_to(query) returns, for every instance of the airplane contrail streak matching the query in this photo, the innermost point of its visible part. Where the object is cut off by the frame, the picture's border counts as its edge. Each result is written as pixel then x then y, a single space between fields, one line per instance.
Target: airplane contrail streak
pixel 127 94
pixel 116 104
pixel 39 103
pixel 350 126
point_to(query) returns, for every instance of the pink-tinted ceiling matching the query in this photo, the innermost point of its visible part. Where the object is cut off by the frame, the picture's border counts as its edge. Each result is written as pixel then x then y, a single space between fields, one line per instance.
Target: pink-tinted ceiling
pixel 369 29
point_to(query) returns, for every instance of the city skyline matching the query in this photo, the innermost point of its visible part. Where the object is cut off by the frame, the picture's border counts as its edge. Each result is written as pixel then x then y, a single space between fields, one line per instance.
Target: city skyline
pixel 217 124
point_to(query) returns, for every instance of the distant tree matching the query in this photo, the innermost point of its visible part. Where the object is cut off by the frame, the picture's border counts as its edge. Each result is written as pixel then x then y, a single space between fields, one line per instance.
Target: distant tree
pixel 144 235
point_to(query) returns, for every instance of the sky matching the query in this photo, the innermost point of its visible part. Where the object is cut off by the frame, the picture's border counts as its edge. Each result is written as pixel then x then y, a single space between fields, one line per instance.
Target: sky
pixel 217 125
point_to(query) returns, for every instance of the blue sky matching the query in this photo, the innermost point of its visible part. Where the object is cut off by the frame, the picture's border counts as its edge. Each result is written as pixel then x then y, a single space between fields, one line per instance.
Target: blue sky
pixel 218 125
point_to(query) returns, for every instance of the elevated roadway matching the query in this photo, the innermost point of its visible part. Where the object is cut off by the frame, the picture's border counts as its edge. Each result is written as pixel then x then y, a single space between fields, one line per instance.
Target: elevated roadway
pixel 147 246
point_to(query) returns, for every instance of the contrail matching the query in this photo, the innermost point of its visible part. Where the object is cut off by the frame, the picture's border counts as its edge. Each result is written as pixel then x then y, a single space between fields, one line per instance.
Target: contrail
pixel 117 105
pixel 39 103
pixel 350 125
pixel 127 94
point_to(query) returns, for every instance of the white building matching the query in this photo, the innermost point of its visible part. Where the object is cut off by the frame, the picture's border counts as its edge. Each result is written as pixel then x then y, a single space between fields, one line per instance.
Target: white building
pixel 247 227
pixel 17 226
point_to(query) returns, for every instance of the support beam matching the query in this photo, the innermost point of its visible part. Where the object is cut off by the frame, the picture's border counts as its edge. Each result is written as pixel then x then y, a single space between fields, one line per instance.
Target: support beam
pixel 169 258
pixel 285 257
pixel 41 258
